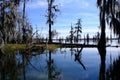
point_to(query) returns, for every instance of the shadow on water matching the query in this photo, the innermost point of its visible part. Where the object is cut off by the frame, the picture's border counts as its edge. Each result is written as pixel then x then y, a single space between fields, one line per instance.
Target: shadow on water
pixel 53 74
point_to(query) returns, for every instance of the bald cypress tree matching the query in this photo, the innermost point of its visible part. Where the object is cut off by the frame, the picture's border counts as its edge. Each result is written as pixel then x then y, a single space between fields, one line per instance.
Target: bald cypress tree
pixel 51 15
pixel 110 13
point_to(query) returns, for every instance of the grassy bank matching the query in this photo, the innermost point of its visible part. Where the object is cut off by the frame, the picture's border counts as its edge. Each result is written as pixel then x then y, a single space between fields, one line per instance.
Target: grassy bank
pixel 13 47
pixel 52 47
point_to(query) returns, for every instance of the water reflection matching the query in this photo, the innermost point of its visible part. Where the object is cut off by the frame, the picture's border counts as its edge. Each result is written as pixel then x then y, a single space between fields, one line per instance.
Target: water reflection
pixel 113 71
pixel 78 57
pixel 53 74
pixel 54 66
pixel 13 66
pixel 102 53
pixel 9 67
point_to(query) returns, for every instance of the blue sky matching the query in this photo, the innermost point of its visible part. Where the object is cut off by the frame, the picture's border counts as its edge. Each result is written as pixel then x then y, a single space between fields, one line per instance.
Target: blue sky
pixel 70 12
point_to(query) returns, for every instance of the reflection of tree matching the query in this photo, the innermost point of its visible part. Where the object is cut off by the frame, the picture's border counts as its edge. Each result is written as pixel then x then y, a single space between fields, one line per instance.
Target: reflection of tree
pixel 113 71
pixel 13 66
pixel 78 56
pixel 8 67
pixel 23 66
pixel 72 51
pixel 102 52
pixel 52 73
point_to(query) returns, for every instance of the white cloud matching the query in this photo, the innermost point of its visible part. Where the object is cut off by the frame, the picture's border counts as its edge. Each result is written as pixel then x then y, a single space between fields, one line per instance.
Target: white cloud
pixel 74 3
pixel 82 14
pixel 90 30
pixel 37 4
pixel 64 2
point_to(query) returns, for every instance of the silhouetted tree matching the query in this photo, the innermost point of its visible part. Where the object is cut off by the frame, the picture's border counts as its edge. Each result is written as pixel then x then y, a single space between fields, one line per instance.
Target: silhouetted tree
pixel 87 38
pixel 52 9
pixel 78 29
pixel 71 34
pixel 23 29
pixel 24 25
pixel 108 11
pixel 54 33
pixel 111 36
pixel 113 15
pixel 102 6
pixel 98 36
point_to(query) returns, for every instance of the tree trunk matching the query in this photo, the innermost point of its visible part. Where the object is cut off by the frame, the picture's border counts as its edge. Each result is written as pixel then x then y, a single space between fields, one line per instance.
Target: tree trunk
pixel 102 41
pixel 23 29
pixel 50 21
pixel 50 36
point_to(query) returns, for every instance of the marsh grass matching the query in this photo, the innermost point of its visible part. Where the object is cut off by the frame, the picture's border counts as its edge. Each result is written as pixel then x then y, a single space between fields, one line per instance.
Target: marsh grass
pixel 52 47
pixel 10 48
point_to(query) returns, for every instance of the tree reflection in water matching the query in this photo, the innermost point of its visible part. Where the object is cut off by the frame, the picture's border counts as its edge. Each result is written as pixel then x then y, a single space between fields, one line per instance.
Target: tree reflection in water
pixel 10 67
pixel 77 56
pixel 113 71
pixel 102 53
pixel 13 65
pixel 53 74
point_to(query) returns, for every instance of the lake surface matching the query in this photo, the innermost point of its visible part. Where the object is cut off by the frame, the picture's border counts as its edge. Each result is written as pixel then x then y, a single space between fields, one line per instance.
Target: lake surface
pixel 61 64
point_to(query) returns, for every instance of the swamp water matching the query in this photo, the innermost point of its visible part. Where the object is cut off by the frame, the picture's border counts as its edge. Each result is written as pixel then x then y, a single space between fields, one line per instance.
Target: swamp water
pixel 61 64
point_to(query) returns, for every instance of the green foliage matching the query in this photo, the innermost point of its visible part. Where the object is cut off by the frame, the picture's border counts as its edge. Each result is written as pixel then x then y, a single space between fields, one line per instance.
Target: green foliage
pixel 52 47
